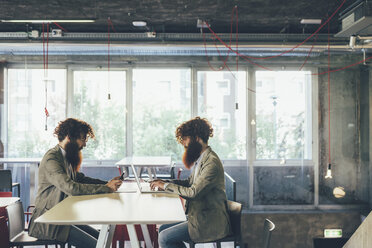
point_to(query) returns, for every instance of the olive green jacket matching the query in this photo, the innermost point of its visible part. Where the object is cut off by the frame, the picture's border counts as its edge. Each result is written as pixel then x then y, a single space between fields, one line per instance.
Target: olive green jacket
pixel 206 203
pixel 56 182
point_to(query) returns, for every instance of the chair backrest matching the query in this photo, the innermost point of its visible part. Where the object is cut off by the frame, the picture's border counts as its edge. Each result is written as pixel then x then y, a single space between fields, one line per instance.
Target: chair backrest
pixel 4 234
pixel 5 181
pixel 16 219
pixel 269 226
pixel 235 212
pixel 230 186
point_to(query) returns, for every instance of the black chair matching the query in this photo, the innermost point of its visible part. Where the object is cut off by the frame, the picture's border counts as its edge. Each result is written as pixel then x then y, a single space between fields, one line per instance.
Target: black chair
pixel 6 184
pixel 16 225
pixel 235 212
pixel 269 226
pixel 5 181
pixel 4 235
pixel 230 186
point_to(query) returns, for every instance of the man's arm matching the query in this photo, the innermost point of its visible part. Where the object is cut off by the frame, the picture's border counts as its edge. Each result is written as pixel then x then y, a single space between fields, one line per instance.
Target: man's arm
pixel 205 180
pixel 59 178
pixel 81 178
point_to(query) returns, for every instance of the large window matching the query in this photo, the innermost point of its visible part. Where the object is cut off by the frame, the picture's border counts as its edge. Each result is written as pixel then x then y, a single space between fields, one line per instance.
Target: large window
pixel 284 171
pixel 222 100
pixel 106 114
pixel 161 101
pixel 29 135
pixel 283 115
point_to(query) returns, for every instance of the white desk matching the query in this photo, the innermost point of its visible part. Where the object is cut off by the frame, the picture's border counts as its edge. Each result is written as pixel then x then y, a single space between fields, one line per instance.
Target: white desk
pixel 151 162
pixel 116 208
pixel 20 160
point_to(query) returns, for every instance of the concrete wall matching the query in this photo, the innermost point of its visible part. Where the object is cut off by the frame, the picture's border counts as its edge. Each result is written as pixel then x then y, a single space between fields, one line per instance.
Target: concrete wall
pixel 296 229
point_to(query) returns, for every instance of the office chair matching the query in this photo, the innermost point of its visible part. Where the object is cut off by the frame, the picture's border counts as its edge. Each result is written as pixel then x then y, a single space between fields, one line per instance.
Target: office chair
pixel 16 226
pixel 235 212
pixel 269 226
pixel 230 186
pixel 4 235
pixel 5 183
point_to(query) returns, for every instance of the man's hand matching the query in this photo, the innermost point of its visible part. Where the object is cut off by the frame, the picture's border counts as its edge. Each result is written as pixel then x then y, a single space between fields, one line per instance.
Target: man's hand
pixel 157 184
pixel 114 184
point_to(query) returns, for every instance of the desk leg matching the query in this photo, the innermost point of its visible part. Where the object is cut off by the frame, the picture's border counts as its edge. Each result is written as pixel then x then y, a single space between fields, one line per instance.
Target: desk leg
pixel 150 173
pixel 133 236
pixel 146 235
pixel 105 236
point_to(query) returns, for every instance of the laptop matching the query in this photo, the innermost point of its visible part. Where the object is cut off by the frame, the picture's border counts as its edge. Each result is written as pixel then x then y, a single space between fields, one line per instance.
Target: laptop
pixel 144 187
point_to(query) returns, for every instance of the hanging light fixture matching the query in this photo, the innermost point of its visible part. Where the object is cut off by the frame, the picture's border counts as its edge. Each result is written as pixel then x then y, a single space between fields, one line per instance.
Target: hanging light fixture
pixel 329 172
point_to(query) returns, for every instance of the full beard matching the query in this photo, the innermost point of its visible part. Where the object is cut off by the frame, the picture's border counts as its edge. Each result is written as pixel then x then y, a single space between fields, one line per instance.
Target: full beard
pixel 192 153
pixel 73 155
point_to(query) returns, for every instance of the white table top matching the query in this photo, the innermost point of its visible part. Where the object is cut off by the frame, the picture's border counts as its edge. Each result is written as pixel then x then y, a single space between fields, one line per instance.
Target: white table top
pixel 6 201
pixel 146 161
pixel 116 208
pixel 20 160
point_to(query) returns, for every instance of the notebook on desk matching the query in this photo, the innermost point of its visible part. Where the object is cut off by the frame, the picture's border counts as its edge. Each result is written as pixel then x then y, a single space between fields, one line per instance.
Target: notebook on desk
pixel 145 186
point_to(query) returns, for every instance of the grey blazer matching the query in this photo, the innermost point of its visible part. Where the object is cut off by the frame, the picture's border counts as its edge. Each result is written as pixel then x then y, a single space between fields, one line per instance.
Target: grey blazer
pixel 56 182
pixel 206 203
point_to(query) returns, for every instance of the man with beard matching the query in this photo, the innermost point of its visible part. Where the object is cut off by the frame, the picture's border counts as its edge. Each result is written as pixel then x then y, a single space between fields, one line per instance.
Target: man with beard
pixel 59 177
pixel 204 190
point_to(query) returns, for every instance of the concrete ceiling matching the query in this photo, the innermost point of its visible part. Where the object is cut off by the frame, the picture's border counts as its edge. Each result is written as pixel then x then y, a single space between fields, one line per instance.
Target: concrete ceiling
pixel 175 16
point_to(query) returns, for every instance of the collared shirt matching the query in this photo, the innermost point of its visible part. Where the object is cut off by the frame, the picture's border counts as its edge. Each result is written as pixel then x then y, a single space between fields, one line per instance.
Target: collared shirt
pixel 70 171
pixel 197 165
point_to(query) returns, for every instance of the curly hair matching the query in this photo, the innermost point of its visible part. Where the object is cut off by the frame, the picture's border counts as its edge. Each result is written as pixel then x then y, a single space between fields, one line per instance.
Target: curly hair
pixel 73 128
pixel 197 127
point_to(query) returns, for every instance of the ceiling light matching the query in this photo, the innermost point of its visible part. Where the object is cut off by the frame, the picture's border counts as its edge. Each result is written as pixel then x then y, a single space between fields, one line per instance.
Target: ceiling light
pixel 139 23
pixel 49 21
pixel 311 21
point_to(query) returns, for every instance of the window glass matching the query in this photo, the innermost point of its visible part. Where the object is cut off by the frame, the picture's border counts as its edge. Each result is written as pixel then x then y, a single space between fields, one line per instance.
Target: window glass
pixel 222 100
pixel 283 171
pixel 283 115
pixel 28 133
pixel 107 116
pixel 161 101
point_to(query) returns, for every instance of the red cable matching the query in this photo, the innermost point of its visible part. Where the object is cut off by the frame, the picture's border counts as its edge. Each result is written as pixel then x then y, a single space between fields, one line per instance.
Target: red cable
pixel 249 57
pixel 112 25
pixel 60 26
pixel 228 52
pixel 108 44
pixel 329 99
pixel 236 37
pixel 47 51
pixel 343 68
pixel 43 50
pixel 308 55
pixel 238 54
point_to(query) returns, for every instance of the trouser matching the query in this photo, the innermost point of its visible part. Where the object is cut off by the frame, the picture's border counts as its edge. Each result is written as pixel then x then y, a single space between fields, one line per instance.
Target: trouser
pixel 173 235
pixel 83 236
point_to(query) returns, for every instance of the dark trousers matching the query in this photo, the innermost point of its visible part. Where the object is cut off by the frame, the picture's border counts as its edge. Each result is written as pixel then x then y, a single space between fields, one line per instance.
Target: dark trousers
pixel 83 236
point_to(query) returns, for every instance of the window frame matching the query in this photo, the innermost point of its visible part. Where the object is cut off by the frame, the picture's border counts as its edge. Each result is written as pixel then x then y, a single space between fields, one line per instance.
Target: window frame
pixel 313 162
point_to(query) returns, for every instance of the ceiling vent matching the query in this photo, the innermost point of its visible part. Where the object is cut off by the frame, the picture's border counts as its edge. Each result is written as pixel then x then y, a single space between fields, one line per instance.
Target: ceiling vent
pixel 356 19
